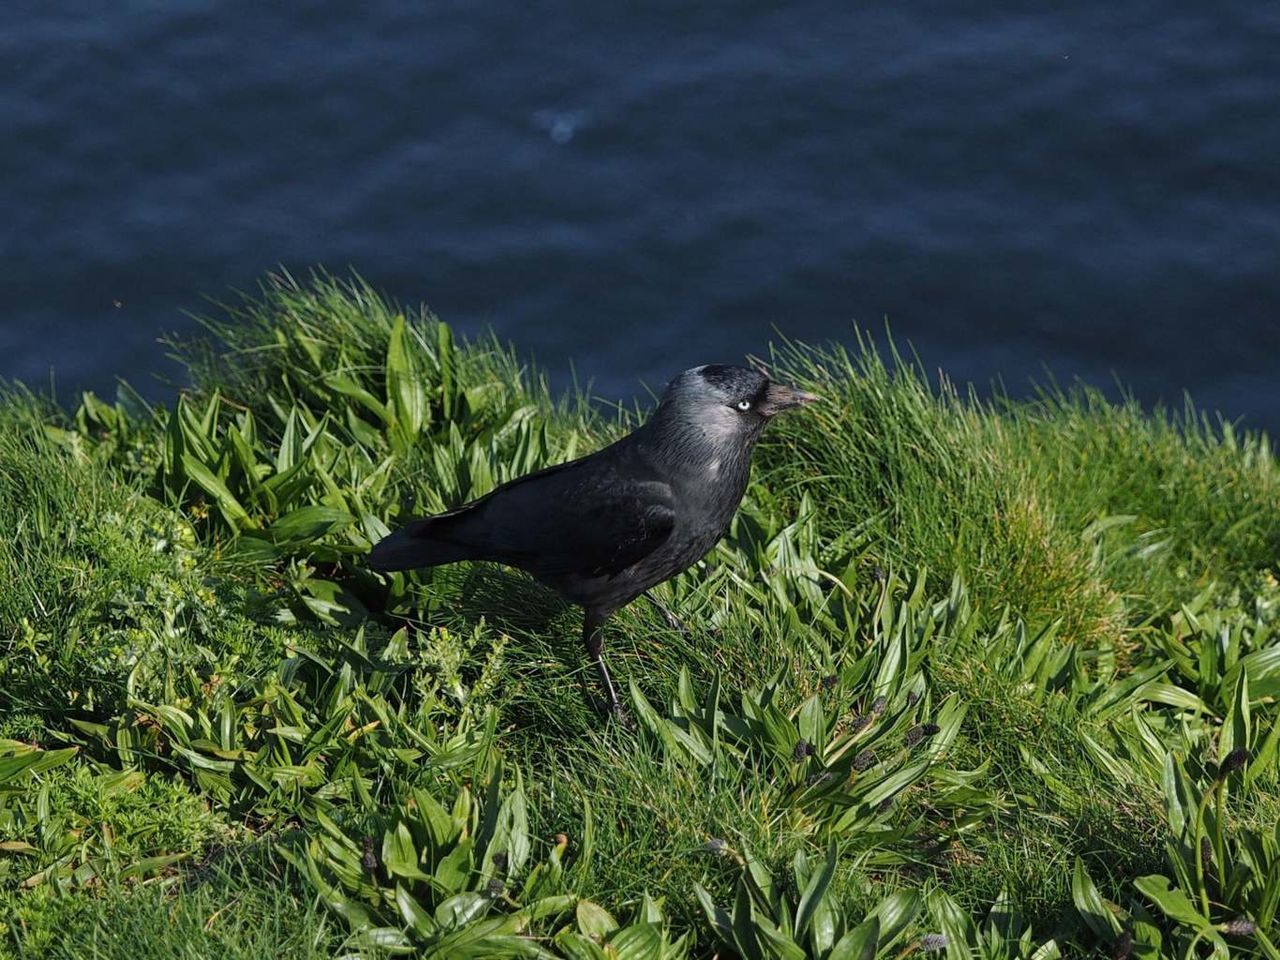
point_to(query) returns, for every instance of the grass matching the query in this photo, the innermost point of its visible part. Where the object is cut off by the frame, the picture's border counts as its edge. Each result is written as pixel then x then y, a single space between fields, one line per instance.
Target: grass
pixel 989 678
pixel 241 908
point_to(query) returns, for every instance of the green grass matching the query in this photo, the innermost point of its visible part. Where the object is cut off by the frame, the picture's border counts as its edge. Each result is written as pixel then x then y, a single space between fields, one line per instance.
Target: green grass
pixel 961 668
pixel 240 907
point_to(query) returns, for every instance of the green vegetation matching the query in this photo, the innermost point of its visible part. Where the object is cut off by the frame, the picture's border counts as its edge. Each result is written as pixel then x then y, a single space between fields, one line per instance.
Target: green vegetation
pixel 971 678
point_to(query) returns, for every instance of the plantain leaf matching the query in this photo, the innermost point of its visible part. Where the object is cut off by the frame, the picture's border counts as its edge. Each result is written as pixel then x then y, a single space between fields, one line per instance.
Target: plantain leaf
pixel 232 511
pixel 1172 902
pixel 815 891
pixel 308 523
pixel 639 941
pixel 406 397
pixel 860 943
pixel 1090 905
pixel 594 920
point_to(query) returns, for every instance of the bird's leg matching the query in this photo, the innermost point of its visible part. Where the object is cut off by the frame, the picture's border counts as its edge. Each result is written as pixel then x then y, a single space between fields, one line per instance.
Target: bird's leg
pixel 674 622
pixel 593 640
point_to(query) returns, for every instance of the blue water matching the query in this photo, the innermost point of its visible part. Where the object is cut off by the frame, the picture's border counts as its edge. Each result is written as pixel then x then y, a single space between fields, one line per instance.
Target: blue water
pixel 634 188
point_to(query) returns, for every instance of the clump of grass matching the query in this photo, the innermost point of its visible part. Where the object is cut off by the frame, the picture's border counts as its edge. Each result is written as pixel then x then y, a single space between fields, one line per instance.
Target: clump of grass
pixel 1200 496
pixel 99 578
pixel 933 477
pixel 1067 506
pixel 245 905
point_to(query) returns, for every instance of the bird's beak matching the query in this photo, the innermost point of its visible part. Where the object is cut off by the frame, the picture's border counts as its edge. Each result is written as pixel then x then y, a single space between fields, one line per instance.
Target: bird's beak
pixel 781 396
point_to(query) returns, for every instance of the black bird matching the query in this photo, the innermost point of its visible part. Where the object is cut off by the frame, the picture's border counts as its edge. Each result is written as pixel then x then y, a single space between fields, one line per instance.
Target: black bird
pixel 603 529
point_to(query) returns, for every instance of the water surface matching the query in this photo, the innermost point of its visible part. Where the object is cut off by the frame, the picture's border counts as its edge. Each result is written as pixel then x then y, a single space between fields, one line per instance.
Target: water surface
pixel 634 188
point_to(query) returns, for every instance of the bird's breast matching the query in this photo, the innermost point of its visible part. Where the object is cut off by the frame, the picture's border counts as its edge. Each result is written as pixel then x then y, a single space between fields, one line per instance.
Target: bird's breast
pixel 711 496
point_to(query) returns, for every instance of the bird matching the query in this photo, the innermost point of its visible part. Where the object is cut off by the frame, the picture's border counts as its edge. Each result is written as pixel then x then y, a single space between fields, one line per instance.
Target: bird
pixel 603 529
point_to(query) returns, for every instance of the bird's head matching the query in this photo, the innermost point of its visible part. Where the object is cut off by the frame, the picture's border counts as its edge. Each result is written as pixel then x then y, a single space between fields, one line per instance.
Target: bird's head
pixel 729 402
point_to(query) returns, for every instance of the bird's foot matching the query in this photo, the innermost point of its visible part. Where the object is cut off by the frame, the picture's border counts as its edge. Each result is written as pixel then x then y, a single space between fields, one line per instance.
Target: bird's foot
pixel 621 715
pixel 672 621
pixel 612 710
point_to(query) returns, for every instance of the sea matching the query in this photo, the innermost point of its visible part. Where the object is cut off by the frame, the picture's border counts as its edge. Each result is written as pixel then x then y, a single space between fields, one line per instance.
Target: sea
pixel 1015 191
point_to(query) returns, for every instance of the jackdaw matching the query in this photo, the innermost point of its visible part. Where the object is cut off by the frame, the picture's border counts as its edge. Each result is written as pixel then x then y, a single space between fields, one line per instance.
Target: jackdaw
pixel 603 529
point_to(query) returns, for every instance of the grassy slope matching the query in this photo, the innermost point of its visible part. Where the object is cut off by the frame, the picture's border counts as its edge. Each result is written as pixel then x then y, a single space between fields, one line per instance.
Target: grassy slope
pixel 157 560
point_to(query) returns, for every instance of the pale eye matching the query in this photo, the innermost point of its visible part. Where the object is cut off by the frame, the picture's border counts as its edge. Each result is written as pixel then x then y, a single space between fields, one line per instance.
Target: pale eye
pixel 744 405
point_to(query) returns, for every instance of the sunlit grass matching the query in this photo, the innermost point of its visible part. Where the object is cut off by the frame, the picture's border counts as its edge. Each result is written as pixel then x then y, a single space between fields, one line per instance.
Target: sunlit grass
pixel 242 906
pixel 952 641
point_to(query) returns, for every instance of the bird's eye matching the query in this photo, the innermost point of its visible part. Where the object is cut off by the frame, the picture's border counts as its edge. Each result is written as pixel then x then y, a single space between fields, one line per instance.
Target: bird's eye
pixel 744 405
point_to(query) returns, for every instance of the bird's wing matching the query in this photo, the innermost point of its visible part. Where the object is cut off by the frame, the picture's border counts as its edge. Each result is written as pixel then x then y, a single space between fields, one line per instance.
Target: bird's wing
pixel 593 517
pixel 611 530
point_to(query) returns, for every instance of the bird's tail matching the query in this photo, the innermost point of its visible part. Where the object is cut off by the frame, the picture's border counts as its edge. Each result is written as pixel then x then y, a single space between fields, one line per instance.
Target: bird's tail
pixel 420 543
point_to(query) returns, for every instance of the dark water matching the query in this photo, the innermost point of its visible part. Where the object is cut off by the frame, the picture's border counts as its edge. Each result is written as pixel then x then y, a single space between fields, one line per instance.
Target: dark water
pixel 635 188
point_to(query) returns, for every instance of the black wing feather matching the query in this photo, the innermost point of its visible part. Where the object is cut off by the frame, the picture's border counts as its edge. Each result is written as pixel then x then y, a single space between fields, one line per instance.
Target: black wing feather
pixel 591 517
